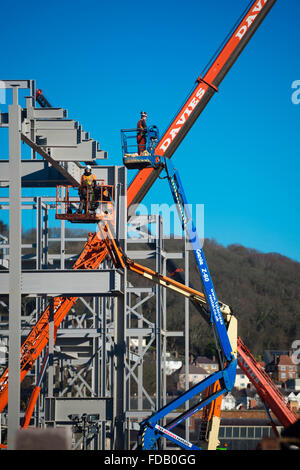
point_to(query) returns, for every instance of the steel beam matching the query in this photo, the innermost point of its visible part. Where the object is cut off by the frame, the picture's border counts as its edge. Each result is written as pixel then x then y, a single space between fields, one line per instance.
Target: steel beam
pixel 59 409
pixel 73 282
pixel 34 173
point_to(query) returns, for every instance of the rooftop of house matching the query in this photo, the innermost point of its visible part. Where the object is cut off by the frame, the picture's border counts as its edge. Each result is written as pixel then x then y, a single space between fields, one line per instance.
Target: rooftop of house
pixel 282 360
pixel 272 357
pixel 285 360
pixel 193 370
pixel 205 360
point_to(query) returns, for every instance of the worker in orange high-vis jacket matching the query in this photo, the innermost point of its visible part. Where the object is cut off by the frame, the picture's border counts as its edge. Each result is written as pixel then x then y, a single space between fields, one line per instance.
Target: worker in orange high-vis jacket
pixel 141 133
pixel 86 189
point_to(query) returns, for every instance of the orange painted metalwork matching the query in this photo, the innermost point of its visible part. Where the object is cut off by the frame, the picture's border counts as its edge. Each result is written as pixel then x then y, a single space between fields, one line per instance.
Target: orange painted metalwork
pixel 96 250
pixel 91 257
pixel 104 206
pixel 200 96
pixel 30 407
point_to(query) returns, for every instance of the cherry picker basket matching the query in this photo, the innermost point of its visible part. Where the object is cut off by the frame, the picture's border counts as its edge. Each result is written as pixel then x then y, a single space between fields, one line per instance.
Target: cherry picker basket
pixel 131 158
pixel 93 205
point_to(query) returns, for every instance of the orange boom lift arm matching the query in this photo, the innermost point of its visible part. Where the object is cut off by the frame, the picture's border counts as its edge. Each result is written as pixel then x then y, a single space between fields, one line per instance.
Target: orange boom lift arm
pixel 95 251
pixel 205 87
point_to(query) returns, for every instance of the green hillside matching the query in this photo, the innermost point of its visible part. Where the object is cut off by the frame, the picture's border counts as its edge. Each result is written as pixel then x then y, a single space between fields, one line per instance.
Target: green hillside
pixel 263 291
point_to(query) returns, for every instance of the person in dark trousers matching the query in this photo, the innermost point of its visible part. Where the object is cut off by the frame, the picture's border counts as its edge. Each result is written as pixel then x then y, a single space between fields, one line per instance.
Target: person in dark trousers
pixel 86 189
pixel 141 133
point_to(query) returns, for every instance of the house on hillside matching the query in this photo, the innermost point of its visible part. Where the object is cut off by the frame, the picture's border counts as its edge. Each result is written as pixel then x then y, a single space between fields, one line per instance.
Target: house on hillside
pixel 228 402
pixel 247 398
pixel 282 368
pixel 172 364
pixel 241 379
pixel 210 365
pixel 294 401
pixel 196 375
pixel 271 354
pixel 293 384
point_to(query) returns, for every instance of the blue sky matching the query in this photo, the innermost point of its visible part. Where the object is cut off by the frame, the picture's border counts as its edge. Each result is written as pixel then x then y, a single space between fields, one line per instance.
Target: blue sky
pixel 107 61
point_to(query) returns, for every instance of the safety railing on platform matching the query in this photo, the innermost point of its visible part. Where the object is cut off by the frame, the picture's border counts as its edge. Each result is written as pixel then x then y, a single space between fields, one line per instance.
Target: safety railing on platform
pixel 91 205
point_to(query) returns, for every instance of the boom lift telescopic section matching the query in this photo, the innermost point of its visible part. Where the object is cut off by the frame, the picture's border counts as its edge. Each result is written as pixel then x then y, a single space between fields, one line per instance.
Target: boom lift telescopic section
pixel 151 430
pixel 267 390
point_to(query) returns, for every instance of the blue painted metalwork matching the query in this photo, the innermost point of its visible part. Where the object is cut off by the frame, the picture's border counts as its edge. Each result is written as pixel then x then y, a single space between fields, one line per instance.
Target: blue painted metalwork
pixel 190 229
pixel 150 430
pixel 129 143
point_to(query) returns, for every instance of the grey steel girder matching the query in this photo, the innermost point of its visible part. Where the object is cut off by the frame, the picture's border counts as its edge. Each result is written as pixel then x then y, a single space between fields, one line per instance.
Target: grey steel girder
pixel 59 409
pixel 73 282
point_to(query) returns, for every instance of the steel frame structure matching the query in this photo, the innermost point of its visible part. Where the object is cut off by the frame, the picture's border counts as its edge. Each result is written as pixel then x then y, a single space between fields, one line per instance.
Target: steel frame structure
pixel 44 283
pixel 84 341
pixel 63 143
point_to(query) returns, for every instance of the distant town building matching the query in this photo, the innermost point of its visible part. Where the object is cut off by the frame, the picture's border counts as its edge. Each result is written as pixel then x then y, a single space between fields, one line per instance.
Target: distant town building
pixel 294 401
pixel 228 402
pixel 271 354
pixel 172 364
pixel 293 384
pixel 196 374
pixel 241 379
pixel 282 368
pixel 246 399
pixel 210 365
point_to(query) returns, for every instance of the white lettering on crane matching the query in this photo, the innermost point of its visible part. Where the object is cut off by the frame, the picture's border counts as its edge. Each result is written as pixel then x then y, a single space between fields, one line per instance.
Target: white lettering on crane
pixel 258 6
pixel 182 119
pixel 169 433
pixel 174 132
pixel 199 256
pixel 165 144
pixel 249 20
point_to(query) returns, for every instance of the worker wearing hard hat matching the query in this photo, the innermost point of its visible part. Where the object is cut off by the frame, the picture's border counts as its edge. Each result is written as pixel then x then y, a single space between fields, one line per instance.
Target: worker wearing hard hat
pixel 86 188
pixel 141 133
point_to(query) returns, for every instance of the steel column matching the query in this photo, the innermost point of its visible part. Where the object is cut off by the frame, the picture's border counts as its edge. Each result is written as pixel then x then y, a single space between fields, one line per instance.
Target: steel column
pixel 15 273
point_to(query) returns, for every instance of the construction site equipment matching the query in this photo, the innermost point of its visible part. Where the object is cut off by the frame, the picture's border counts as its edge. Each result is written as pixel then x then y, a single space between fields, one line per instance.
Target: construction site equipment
pixel 91 257
pixel 98 204
pixel 225 377
pixel 266 389
pixel 129 149
pixel 206 86
pixel 42 101
pixel 95 250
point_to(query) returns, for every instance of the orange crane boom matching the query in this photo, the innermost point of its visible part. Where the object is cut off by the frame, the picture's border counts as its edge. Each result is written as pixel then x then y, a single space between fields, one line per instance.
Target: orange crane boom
pixel 95 250
pixel 203 91
pixel 91 257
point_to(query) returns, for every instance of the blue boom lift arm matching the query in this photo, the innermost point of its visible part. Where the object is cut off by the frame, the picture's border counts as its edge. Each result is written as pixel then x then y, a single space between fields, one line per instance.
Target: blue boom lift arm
pixel 151 430
pixel 150 167
pixel 188 226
